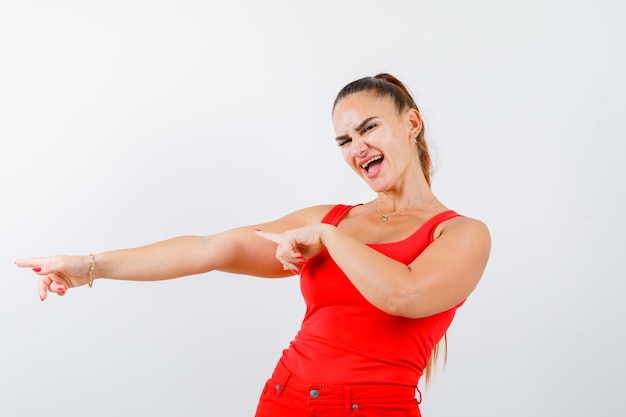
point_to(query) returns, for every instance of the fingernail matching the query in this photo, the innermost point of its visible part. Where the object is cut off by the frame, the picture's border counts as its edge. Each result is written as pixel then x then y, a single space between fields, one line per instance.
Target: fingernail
pixel 61 290
pixel 295 271
pixel 257 230
pixel 37 269
pixel 41 298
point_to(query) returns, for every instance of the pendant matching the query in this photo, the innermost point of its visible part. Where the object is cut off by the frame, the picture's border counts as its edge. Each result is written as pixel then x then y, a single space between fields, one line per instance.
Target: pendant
pixel 384 217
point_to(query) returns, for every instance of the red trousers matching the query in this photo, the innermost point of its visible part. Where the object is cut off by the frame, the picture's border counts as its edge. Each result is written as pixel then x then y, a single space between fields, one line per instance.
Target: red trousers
pixel 285 395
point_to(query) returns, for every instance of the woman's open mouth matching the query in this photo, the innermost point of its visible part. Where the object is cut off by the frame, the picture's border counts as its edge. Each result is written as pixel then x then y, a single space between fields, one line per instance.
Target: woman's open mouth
pixel 372 165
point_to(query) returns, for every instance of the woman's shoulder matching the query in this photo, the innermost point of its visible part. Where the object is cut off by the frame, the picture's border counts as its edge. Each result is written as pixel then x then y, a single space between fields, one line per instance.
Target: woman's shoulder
pixel 467 222
pixel 461 225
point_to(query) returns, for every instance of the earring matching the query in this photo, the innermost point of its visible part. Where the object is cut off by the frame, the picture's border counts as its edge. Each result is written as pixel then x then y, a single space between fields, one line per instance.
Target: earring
pixel 414 139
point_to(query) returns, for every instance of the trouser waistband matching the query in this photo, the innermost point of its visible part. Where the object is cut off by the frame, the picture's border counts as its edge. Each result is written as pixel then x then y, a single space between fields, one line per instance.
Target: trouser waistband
pixel 350 395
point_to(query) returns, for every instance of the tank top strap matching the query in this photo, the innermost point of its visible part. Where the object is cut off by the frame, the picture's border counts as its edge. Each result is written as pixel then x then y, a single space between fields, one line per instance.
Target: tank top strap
pixel 436 220
pixel 337 213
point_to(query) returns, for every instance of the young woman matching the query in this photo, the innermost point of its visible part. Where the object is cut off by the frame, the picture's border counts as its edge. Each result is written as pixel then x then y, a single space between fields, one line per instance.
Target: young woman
pixel 381 280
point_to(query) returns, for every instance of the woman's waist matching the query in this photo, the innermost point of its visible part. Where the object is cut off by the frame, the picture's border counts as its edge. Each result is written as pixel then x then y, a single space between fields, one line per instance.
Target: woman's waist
pixel 339 366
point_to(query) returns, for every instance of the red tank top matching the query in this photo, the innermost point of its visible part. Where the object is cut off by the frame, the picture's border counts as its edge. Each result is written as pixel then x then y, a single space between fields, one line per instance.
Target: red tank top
pixel 344 339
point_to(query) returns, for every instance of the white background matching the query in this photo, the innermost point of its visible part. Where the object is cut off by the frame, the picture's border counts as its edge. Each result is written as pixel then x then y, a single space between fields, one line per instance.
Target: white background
pixel 127 122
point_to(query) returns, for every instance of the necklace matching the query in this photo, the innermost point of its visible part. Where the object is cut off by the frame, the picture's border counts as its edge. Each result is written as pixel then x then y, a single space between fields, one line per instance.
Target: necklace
pixel 384 217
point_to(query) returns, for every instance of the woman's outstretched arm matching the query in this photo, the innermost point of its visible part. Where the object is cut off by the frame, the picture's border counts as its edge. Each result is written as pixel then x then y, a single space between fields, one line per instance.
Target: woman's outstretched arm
pixel 237 251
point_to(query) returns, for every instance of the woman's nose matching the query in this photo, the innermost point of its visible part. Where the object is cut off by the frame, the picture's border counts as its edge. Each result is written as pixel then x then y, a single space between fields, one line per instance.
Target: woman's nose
pixel 359 147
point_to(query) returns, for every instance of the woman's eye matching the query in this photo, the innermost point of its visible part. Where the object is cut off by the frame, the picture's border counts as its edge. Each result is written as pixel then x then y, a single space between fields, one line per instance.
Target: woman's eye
pixel 368 128
pixel 344 142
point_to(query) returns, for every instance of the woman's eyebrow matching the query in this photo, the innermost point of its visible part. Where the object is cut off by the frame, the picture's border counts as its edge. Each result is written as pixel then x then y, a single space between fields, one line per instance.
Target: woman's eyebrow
pixel 358 128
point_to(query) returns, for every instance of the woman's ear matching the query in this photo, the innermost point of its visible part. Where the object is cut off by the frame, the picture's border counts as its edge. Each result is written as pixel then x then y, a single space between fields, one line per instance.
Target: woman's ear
pixel 414 120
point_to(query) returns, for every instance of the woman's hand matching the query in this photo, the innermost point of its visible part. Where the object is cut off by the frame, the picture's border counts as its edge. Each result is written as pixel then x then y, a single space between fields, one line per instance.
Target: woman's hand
pixel 296 246
pixel 58 273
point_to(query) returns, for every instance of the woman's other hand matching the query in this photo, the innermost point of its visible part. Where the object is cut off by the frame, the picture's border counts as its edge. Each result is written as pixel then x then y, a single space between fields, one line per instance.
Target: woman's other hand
pixel 296 246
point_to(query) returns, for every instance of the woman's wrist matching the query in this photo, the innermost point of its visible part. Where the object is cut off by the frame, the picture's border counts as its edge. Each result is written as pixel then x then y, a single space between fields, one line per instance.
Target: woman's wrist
pixel 327 233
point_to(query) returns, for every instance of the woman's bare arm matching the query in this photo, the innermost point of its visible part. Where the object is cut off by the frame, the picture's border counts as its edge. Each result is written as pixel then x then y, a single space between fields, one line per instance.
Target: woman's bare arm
pixel 238 251
pixel 443 275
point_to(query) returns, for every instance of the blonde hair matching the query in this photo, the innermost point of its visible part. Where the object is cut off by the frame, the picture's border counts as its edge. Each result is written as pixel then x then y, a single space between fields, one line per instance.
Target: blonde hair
pixel 432 361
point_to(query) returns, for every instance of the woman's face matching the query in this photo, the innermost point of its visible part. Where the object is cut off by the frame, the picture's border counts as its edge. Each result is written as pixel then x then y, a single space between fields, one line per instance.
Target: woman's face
pixel 375 139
